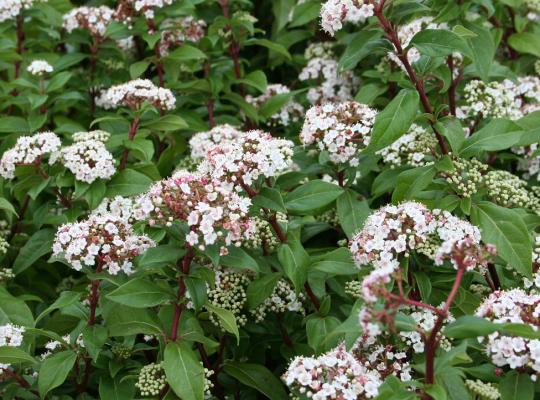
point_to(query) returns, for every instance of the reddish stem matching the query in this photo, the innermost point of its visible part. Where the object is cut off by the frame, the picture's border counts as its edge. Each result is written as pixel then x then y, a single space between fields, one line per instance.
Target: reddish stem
pixel 392 35
pixel 159 66
pixel 131 136
pixel 179 306
pixel 17 226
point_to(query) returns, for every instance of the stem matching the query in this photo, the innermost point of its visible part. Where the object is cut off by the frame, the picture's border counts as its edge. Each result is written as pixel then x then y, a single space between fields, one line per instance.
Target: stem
pixel 17 226
pixel 391 34
pixel 453 85
pixel 20 43
pixel 179 306
pixel 131 136
pixel 20 380
pixel 431 343
pixel 494 276
pixel 284 334
pixel 341 178
pixel 159 66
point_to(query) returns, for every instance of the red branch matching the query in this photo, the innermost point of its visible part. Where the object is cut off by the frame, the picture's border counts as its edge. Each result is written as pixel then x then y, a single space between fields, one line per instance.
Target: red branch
pixel 180 305
pixel 392 35
pixel 131 136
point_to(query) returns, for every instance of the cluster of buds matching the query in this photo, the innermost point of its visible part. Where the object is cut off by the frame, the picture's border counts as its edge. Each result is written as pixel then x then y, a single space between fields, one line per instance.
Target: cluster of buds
pixel 291 111
pixel 93 19
pixel 335 12
pixel 264 235
pixel 229 293
pixel 176 31
pixel 252 155
pixel 333 86
pixel 283 299
pixel 103 241
pixel 506 189
pixel 212 210
pixel 134 93
pixel 482 390
pixel 512 306
pixel 121 351
pixel 39 67
pixel 333 375
pixel 201 142
pixel 6 274
pixel 425 322
pixel 466 176
pixel 10 9
pixel 88 160
pixel 342 130
pixel 415 148
pixel 151 380
pixel 27 151
pixel 329 217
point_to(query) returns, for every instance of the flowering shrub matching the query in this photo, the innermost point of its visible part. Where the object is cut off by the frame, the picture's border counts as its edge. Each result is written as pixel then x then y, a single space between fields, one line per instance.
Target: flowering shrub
pixel 230 199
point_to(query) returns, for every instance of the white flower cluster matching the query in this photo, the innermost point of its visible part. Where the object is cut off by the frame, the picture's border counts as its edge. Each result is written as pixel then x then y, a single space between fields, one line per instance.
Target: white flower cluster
pixel 176 31
pixel 147 7
pixel 512 306
pixel 322 67
pixel 134 93
pixel 102 240
pixel 119 207
pixel 39 67
pixel 88 160
pixel 415 148
pixel 53 345
pixel 483 390
pixel 494 99
pixel 335 12
pixel 9 9
pixel 229 293
pixel 151 380
pixel 94 19
pixel 28 150
pixel 11 335
pixel 425 321
pixel 341 129
pixel 209 207
pixel 201 142
pixel 99 135
pixel 6 274
pixel 333 375
pixel 291 111
pixel 283 298
pixel 252 155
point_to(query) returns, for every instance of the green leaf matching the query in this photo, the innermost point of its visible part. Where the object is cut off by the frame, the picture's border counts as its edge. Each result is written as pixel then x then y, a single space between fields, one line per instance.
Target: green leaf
pixel 306 199
pixel 453 131
pixel 14 355
pixel 498 134
pixel 58 81
pixel 336 262
pixel 525 42
pixel 13 309
pixel 483 50
pixel 167 123
pixel 352 212
pixel 470 326
pixel 7 206
pixel 504 228
pixel 160 256
pixel 270 199
pixel 140 293
pixel 318 328
pixel 36 247
pixel 65 299
pixel 304 13
pixel 127 321
pixel 274 104
pixel 516 386
pixel 238 258
pixel 54 371
pixel 257 79
pixel 295 261
pixel 128 183
pixel 269 45
pixel 14 125
pixel 186 52
pixel 116 389
pixel 357 49
pixel 226 319
pixel 184 372
pixel 412 182
pixel 439 43
pixel 395 120
pixel 260 289
pixel 138 68
pixel 258 377
pixel 436 392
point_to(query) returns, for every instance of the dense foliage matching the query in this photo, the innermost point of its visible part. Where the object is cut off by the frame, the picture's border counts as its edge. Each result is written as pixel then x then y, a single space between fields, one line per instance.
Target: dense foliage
pixel 240 199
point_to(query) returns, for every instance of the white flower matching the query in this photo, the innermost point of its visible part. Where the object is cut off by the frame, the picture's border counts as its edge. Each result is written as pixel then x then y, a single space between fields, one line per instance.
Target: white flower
pixel 11 335
pixel 39 67
pixel 94 19
pixel 134 93
pixel 291 111
pixel 335 12
pixel 201 142
pixel 9 9
pixel 28 150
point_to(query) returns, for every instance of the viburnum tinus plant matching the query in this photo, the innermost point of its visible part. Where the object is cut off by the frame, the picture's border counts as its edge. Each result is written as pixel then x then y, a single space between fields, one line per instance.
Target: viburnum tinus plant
pixel 233 199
